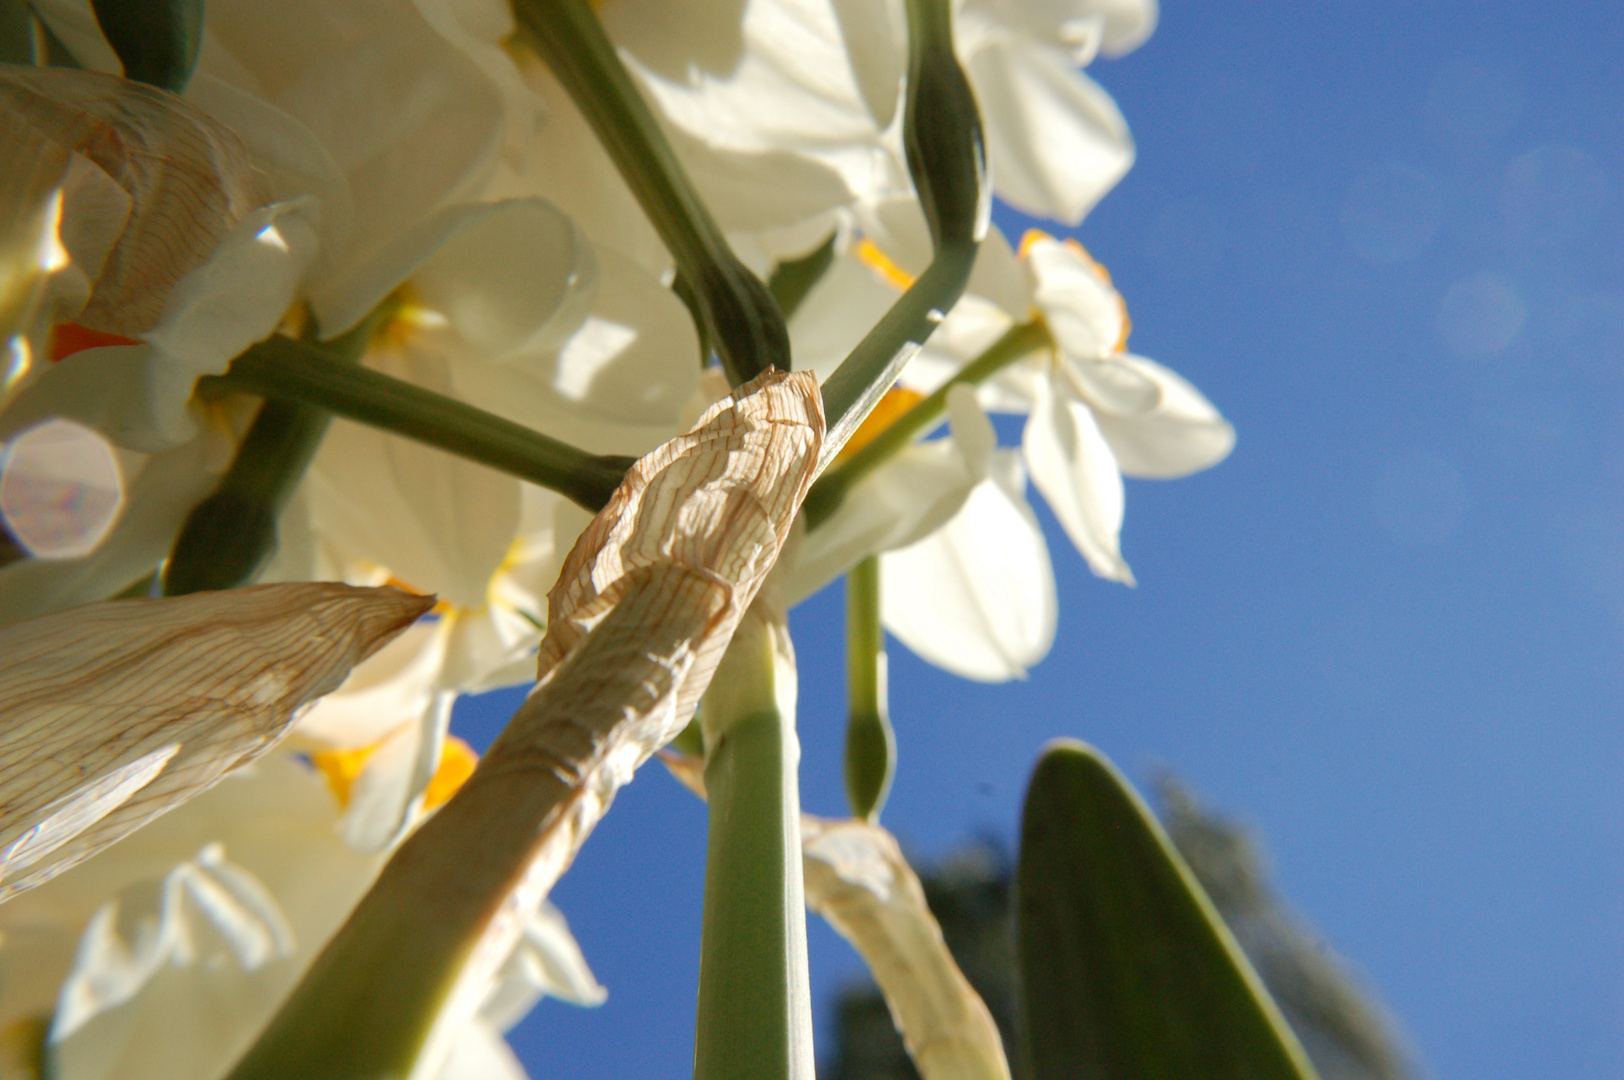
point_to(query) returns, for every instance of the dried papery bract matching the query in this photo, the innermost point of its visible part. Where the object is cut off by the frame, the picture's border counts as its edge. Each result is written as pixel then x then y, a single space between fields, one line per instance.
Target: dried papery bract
pixel 857 879
pixel 855 876
pixel 645 606
pixel 112 713
pixel 150 184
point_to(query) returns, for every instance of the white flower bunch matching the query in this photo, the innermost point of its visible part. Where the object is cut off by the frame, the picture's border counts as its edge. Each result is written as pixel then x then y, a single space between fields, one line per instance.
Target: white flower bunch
pixel 393 293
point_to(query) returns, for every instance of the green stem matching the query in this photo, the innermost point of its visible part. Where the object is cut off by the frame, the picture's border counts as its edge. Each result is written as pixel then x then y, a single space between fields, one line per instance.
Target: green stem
pixel 871 745
pixel 831 488
pixel 740 318
pixel 283 368
pixel 754 1014
pixel 229 536
pixel 947 160
pixel 791 282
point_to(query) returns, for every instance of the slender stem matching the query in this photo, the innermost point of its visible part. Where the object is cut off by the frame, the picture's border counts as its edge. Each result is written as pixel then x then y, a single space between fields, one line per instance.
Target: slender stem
pixel 754 1016
pixel 740 318
pixel 283 368
pixel 871 745
pixel 826 495
pixel 229 536
pixel 947 160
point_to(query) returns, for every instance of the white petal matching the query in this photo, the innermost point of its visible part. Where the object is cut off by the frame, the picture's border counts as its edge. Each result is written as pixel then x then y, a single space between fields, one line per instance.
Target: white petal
pixel 1184 434
pixel 1055 140
pixel 506 275
pixel 411 121
pixel 436 521
pixel 1111 387
pixel 388 793
pixel 626 373
pixel 977 597
pixel 1084 313
pixel 545 962
pixel 908 497
pixel 480 1053
pixel 998 276
pixel 234 299
pixel 274 822
pixel 294 160
pixel 394 684
pixel 1073 467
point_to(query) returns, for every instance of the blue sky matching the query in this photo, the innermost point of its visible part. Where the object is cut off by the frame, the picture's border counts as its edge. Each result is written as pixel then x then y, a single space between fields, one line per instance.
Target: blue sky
pixel 1387 240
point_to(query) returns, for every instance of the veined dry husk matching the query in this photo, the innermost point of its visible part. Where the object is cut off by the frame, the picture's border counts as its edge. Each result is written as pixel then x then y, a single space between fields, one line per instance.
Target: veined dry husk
pixel 644 608
pixel 150 185
pixel 112 713
pixel 857 878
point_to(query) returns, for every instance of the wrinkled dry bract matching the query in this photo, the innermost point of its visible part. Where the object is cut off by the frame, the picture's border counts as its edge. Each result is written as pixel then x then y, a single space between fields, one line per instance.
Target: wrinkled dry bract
pixel 151 185
pixel 112 713
pixel 857 879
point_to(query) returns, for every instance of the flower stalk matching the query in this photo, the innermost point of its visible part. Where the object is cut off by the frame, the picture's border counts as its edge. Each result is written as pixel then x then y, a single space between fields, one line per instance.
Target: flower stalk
pixel 755 1006
pixel 1019 341
pixel 871 745
pixel 232 534
pixel 948 163
pixel 296 371
pixel 738 315
pixel 642 614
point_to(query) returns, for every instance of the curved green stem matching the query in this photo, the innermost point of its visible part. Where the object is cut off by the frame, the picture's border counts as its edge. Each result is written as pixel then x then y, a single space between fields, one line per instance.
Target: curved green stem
pixel 826 495
pixel 290 370
pixel 948 163
pixel 871 745
pixel 740 319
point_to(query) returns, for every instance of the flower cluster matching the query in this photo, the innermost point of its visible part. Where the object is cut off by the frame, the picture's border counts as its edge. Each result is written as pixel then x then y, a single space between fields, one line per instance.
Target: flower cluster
pixel 405 195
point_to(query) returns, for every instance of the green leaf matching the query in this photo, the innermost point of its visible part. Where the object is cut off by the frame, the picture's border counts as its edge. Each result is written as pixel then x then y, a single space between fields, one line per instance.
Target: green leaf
pixel 157 40
pixel 1127 971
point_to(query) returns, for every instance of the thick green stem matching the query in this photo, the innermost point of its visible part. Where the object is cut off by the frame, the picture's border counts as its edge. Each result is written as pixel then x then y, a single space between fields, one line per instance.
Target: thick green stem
pixel 871 745
pixel 826 495
pixel 740 319
pixel 947 160
pixel 290 370
pixel 755 1013
pixel 229 536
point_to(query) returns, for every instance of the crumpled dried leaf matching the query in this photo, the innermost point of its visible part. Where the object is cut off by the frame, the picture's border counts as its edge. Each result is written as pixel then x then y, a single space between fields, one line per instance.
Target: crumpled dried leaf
pixel 645 606
pixel 112 713
pixel 857 879
pixel 150 183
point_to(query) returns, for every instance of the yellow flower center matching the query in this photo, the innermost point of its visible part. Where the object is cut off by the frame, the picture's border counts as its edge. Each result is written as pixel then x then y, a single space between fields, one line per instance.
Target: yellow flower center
pixel 342 767
pixel 896 401
pixel 869 254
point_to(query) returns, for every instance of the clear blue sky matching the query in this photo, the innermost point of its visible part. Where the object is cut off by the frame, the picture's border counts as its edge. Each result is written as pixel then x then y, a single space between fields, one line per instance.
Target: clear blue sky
pixel 1387 239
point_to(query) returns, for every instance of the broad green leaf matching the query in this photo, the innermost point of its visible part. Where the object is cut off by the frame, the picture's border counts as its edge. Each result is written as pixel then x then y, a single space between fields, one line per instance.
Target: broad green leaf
pixel 157 40
pixel 1127 971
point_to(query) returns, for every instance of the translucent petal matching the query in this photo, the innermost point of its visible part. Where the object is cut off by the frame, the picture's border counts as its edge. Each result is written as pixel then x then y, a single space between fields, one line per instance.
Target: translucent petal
pixel 1182 435
pixel 438 522
pixel 1072 465
pixel 977 597
pixel 1084 312
pixel 1055 140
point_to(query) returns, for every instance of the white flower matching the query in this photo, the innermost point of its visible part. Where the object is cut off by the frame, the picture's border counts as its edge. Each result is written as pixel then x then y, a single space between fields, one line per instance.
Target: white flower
pixel 164 955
